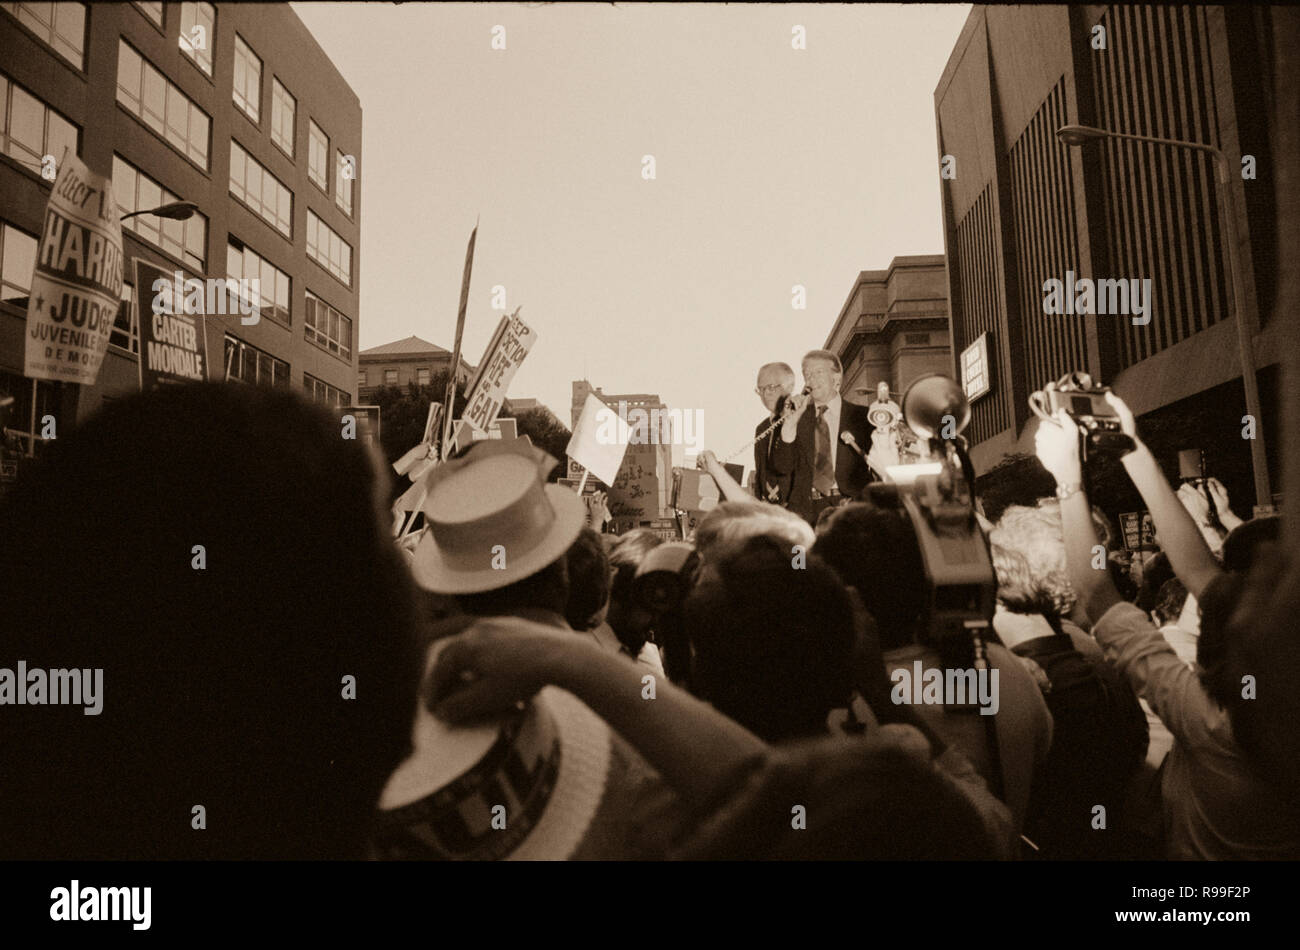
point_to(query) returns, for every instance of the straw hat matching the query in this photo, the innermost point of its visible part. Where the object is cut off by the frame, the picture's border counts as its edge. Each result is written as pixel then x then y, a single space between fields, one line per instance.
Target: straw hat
pixel 493 520
pixel 548 765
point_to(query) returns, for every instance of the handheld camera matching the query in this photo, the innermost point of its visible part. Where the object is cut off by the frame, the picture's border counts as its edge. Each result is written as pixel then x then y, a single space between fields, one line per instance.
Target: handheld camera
pixel 1085 402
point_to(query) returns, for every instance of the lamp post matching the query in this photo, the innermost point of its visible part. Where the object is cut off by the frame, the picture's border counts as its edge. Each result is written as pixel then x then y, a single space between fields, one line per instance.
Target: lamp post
pixel 1079 135
pixel 176 210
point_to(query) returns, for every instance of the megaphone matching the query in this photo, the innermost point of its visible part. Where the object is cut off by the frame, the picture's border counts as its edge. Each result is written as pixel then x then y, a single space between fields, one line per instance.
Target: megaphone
pixel 931 401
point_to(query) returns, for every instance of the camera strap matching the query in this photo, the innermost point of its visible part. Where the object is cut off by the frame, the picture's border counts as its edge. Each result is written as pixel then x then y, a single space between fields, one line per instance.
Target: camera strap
pixel 996 781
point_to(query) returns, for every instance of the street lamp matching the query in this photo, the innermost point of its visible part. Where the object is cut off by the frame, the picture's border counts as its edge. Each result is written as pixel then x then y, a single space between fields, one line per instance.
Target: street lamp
pixel 1079 135
pixel 176 210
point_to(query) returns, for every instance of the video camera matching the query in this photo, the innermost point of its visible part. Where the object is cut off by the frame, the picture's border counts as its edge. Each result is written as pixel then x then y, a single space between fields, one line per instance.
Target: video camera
pixel 1085 402
pixel 938 498
pixel 659 588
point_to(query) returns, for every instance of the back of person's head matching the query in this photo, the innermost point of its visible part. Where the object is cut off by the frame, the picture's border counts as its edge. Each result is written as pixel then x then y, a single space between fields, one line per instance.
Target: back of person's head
pixel 1170 601
pixel 874 798
pixel 630 623
pixel 588 568
pixel 546 589
pixel 1016 480
pixel 1243 543
pixel 734 521
pixel 874 550
pixel 1028 554
pixel 1155 574
pixel 772 638
pixel 220 553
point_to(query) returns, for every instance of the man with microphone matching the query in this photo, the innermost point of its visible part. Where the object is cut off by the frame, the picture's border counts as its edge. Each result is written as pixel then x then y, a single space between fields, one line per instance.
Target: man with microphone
pixel 822 451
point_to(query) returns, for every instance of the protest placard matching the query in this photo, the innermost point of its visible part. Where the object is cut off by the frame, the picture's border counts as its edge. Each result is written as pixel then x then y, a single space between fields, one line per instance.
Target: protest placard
pixel 173 346
pixel 1138 530
pixel 76 287
pixel 599 441
pixel 487 391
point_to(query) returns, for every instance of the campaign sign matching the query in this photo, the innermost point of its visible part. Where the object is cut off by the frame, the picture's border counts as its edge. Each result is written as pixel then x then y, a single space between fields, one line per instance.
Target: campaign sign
pixel 487 392
pixel 1138 530
pixel 173 346
pixel 77 283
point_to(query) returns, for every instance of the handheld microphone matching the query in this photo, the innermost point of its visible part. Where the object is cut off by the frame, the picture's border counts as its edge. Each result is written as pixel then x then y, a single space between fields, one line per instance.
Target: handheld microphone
pixel 847 438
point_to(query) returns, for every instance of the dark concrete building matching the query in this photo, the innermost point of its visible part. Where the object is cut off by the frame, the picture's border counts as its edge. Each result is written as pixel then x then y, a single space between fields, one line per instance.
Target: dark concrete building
pixel 893 327
pixel 1021 208
pixel 231 106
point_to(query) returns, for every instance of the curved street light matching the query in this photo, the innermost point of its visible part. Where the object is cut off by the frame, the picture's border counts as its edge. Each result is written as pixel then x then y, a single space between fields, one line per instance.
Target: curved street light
pixel 1076 136
pixel 176 210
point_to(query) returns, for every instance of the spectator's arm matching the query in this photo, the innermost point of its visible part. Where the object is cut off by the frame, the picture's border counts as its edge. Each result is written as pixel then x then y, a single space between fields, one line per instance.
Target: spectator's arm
pixel 1057 446
pixel 1181 539
pixel 501 660
pixel 730 488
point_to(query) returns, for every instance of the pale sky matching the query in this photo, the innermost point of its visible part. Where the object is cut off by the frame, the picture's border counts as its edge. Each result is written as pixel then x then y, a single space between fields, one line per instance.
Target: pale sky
pixel 774 167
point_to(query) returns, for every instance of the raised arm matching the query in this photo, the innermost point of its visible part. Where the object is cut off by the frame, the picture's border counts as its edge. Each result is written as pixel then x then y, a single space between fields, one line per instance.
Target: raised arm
pixel 501 660
pixel 731 489
pixel 1180 538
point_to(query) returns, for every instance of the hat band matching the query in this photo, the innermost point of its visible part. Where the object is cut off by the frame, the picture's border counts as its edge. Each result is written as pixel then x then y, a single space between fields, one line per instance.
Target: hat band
pixel 456 822
pixel 478 545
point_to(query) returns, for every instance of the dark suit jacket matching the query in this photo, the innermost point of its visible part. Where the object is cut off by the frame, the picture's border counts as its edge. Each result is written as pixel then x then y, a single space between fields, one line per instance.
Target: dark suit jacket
pixel 796 459
pixel 766 477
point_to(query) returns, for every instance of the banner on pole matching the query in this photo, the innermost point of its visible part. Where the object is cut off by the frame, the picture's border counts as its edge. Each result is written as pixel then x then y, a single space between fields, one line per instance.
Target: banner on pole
pixel 77 284
pixel 450 398
pixel 600 439
pixel 505 353
pixel 173 346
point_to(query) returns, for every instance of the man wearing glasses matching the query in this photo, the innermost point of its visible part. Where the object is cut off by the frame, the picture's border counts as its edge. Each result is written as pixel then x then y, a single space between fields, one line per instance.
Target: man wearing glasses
pixel 823 470
pixel 775 383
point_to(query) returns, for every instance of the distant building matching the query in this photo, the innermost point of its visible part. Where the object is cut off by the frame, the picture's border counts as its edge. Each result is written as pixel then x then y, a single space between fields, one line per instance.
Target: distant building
pixel 893 327
pixel 521 405
pixel 411 360
pixel 642 492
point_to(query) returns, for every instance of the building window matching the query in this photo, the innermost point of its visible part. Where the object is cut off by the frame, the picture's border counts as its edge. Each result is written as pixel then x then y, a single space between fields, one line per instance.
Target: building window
pixel 159 103
pixel 17 261
pixel 327 327
pixel 185 240
pixel 273 284
pixel 61 25
pixel 154 11
pixel 248 364
pixel 30 130
pixel 283 108
pixel 248 79
pixel 320 391
pixel 318 156
pixel 327 249
pixel 123 334
pixel 343 183
pixel 422 376
pixel 33 400
pixel 194 44
pixel 256 187
pixel 390 377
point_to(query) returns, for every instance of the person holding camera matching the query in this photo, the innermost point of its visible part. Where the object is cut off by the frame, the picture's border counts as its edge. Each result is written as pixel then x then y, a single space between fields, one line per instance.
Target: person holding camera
pixel 1218 804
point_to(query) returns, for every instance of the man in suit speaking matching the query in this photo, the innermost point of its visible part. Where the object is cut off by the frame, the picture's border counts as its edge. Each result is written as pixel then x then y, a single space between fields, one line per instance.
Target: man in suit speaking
pixel 824 471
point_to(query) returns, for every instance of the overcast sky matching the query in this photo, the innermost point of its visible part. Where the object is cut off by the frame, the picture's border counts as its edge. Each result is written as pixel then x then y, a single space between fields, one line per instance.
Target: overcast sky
pixel 774 167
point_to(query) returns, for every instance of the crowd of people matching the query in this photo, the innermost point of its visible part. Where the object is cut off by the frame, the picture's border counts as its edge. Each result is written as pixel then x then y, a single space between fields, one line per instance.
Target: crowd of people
pixel 281 680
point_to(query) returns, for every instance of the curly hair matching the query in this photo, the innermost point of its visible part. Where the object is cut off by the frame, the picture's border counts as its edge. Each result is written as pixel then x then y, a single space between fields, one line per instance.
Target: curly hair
pixel 1028 551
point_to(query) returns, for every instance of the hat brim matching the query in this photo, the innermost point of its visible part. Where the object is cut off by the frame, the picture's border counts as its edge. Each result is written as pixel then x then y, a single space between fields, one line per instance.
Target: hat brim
pixel 432 571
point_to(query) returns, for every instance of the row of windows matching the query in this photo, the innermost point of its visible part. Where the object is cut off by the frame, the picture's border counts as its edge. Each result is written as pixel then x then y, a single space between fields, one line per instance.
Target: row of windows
pixel 320 391
pixel 247 92
pixel 135 191
pixel 274 284
pixel 255 186
pixel 328 249
pixel 248 364
pixel 17 261
pixel 422 377
pixel 160 104
pixel 327 328
pixel 62 26
pixel 29 129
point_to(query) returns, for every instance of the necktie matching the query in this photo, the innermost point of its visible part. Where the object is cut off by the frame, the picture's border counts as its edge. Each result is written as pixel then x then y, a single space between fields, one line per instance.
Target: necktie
pixel 823 473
